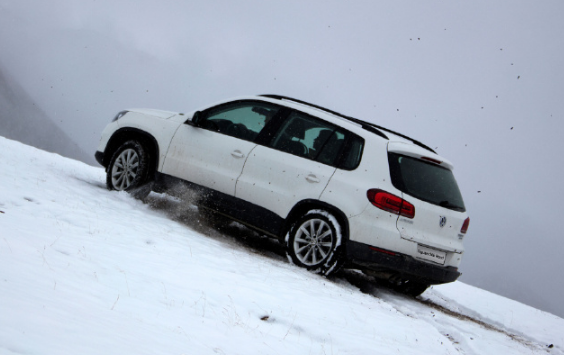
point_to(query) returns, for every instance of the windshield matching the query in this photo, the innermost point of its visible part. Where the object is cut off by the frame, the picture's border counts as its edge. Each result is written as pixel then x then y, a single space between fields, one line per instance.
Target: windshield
pixel 425 181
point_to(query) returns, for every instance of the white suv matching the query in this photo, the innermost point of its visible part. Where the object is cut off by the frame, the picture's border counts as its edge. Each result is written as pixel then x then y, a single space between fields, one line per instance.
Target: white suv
pixel 336 190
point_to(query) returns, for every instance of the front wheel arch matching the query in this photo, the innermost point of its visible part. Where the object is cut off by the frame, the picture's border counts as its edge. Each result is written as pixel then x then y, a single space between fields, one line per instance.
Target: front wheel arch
pixel 304 206
pixel 128 133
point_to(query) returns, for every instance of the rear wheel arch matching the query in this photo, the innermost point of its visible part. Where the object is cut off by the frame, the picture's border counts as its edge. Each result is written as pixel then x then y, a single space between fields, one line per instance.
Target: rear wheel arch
pixel 315 237
pixel 302 207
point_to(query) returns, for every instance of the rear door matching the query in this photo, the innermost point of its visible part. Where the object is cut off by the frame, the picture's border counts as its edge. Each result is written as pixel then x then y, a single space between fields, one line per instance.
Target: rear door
pixel 439 208
pixel 214 153
pixel 295 165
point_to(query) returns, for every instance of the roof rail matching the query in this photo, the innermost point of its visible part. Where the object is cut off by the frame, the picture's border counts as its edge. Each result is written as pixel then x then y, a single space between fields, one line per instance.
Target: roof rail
pixel 366 125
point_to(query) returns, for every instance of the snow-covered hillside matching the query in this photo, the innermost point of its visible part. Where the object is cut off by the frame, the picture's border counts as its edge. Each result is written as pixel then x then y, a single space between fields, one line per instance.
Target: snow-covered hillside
pixel 84 270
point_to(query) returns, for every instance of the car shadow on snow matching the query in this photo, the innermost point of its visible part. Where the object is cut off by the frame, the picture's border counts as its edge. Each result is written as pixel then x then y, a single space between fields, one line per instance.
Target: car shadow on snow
pixel 180 205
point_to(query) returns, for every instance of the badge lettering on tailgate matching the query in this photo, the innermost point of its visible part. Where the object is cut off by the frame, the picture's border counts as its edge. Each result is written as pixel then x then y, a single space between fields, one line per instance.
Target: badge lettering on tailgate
pixel 428 254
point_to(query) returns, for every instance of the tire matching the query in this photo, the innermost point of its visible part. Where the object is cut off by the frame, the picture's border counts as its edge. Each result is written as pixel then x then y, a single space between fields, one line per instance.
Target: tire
pixel 129 170
pixel 315 242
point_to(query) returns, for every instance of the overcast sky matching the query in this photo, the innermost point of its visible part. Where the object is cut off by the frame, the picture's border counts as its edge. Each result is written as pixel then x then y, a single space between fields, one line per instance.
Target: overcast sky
pixel 481 81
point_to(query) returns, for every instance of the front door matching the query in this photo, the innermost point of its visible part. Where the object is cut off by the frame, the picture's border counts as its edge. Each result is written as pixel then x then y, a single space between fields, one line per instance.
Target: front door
pixel 213 153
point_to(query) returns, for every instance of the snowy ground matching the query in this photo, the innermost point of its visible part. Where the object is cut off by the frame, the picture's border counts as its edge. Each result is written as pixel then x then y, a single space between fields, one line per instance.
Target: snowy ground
pixel 84 270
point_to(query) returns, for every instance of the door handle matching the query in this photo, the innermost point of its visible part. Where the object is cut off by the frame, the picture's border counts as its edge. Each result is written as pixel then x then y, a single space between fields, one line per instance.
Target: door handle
pixel 312 178
pixel 237 154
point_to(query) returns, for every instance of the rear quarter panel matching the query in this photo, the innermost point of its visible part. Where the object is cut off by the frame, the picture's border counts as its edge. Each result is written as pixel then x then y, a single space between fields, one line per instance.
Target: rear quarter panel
pixel 347 191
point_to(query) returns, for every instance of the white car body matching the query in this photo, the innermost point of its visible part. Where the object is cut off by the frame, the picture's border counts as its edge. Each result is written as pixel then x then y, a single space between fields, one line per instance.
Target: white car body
pixel 257 182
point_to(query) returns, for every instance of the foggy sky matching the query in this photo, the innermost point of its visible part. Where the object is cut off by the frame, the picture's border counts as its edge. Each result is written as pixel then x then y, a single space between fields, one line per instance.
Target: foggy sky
pixel 481 81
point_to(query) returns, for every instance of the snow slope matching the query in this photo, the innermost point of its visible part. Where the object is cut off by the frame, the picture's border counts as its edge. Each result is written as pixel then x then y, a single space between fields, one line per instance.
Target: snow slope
pixel 84 270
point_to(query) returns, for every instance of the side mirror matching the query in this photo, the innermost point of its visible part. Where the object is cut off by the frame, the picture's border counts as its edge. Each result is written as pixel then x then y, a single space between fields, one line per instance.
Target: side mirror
pixel 195 120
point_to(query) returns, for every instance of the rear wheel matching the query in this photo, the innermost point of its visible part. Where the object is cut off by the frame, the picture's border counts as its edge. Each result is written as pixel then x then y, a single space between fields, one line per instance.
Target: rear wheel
pixel 129 169
pixel 315 242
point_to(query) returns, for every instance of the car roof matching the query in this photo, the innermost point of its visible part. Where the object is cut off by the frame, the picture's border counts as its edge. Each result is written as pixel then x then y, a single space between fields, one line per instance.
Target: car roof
pixel 368 126
pixel 398 142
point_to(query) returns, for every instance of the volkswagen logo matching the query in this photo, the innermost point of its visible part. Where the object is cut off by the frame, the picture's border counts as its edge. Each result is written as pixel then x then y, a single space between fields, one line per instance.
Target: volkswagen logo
pixel 442 221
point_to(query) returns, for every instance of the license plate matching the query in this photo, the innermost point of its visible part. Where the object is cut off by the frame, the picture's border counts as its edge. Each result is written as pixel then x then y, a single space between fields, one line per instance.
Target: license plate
pixel 428 254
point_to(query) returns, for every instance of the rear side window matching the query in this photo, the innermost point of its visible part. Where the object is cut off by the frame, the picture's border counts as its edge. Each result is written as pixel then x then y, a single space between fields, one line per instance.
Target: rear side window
pixel 315 139
pixel 353 153
pixel 310 138
pixel 425 181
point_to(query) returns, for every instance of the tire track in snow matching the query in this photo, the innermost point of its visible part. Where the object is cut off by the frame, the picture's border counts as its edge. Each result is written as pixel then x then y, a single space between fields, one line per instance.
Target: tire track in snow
pixel 235 234
pixel 379 289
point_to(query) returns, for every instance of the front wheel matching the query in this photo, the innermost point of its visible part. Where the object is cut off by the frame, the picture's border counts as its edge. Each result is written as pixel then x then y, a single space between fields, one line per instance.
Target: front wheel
pixel 315 241
pixel 129 168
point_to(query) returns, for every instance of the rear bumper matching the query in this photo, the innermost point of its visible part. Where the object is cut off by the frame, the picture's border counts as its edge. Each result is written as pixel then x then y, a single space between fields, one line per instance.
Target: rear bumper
pixel 362 256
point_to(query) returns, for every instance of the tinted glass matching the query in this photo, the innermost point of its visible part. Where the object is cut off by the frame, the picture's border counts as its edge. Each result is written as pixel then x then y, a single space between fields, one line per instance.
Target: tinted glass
pixel 353 153
pixel 307 137
pixel 243 120
pixel 425 181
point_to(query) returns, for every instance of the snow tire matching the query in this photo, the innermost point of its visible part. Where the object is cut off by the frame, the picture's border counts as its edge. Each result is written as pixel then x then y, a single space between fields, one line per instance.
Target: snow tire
pixel 129 170
pixel 315 242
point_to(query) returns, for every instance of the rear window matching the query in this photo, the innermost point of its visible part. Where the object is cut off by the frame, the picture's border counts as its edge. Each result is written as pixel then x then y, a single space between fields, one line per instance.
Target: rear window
pixel 425 181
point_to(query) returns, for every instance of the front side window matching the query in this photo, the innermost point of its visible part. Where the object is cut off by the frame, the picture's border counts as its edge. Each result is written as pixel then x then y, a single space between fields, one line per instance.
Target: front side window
pixel 311 138
pixel 244 120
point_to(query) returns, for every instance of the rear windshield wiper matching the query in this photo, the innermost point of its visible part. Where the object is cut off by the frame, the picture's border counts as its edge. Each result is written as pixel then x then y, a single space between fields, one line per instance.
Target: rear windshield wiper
pixel 447 204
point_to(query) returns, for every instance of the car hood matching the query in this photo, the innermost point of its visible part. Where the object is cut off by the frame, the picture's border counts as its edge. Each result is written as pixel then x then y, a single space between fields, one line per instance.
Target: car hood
pixel 152 112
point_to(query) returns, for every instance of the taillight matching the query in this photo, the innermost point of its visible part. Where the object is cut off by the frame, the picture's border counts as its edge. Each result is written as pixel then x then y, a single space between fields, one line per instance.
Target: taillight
pixel 465 225
pixel 391 203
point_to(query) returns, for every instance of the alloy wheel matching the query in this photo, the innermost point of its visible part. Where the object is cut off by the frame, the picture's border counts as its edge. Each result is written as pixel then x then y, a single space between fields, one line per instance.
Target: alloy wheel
pixel 125 169
pixel 313 241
